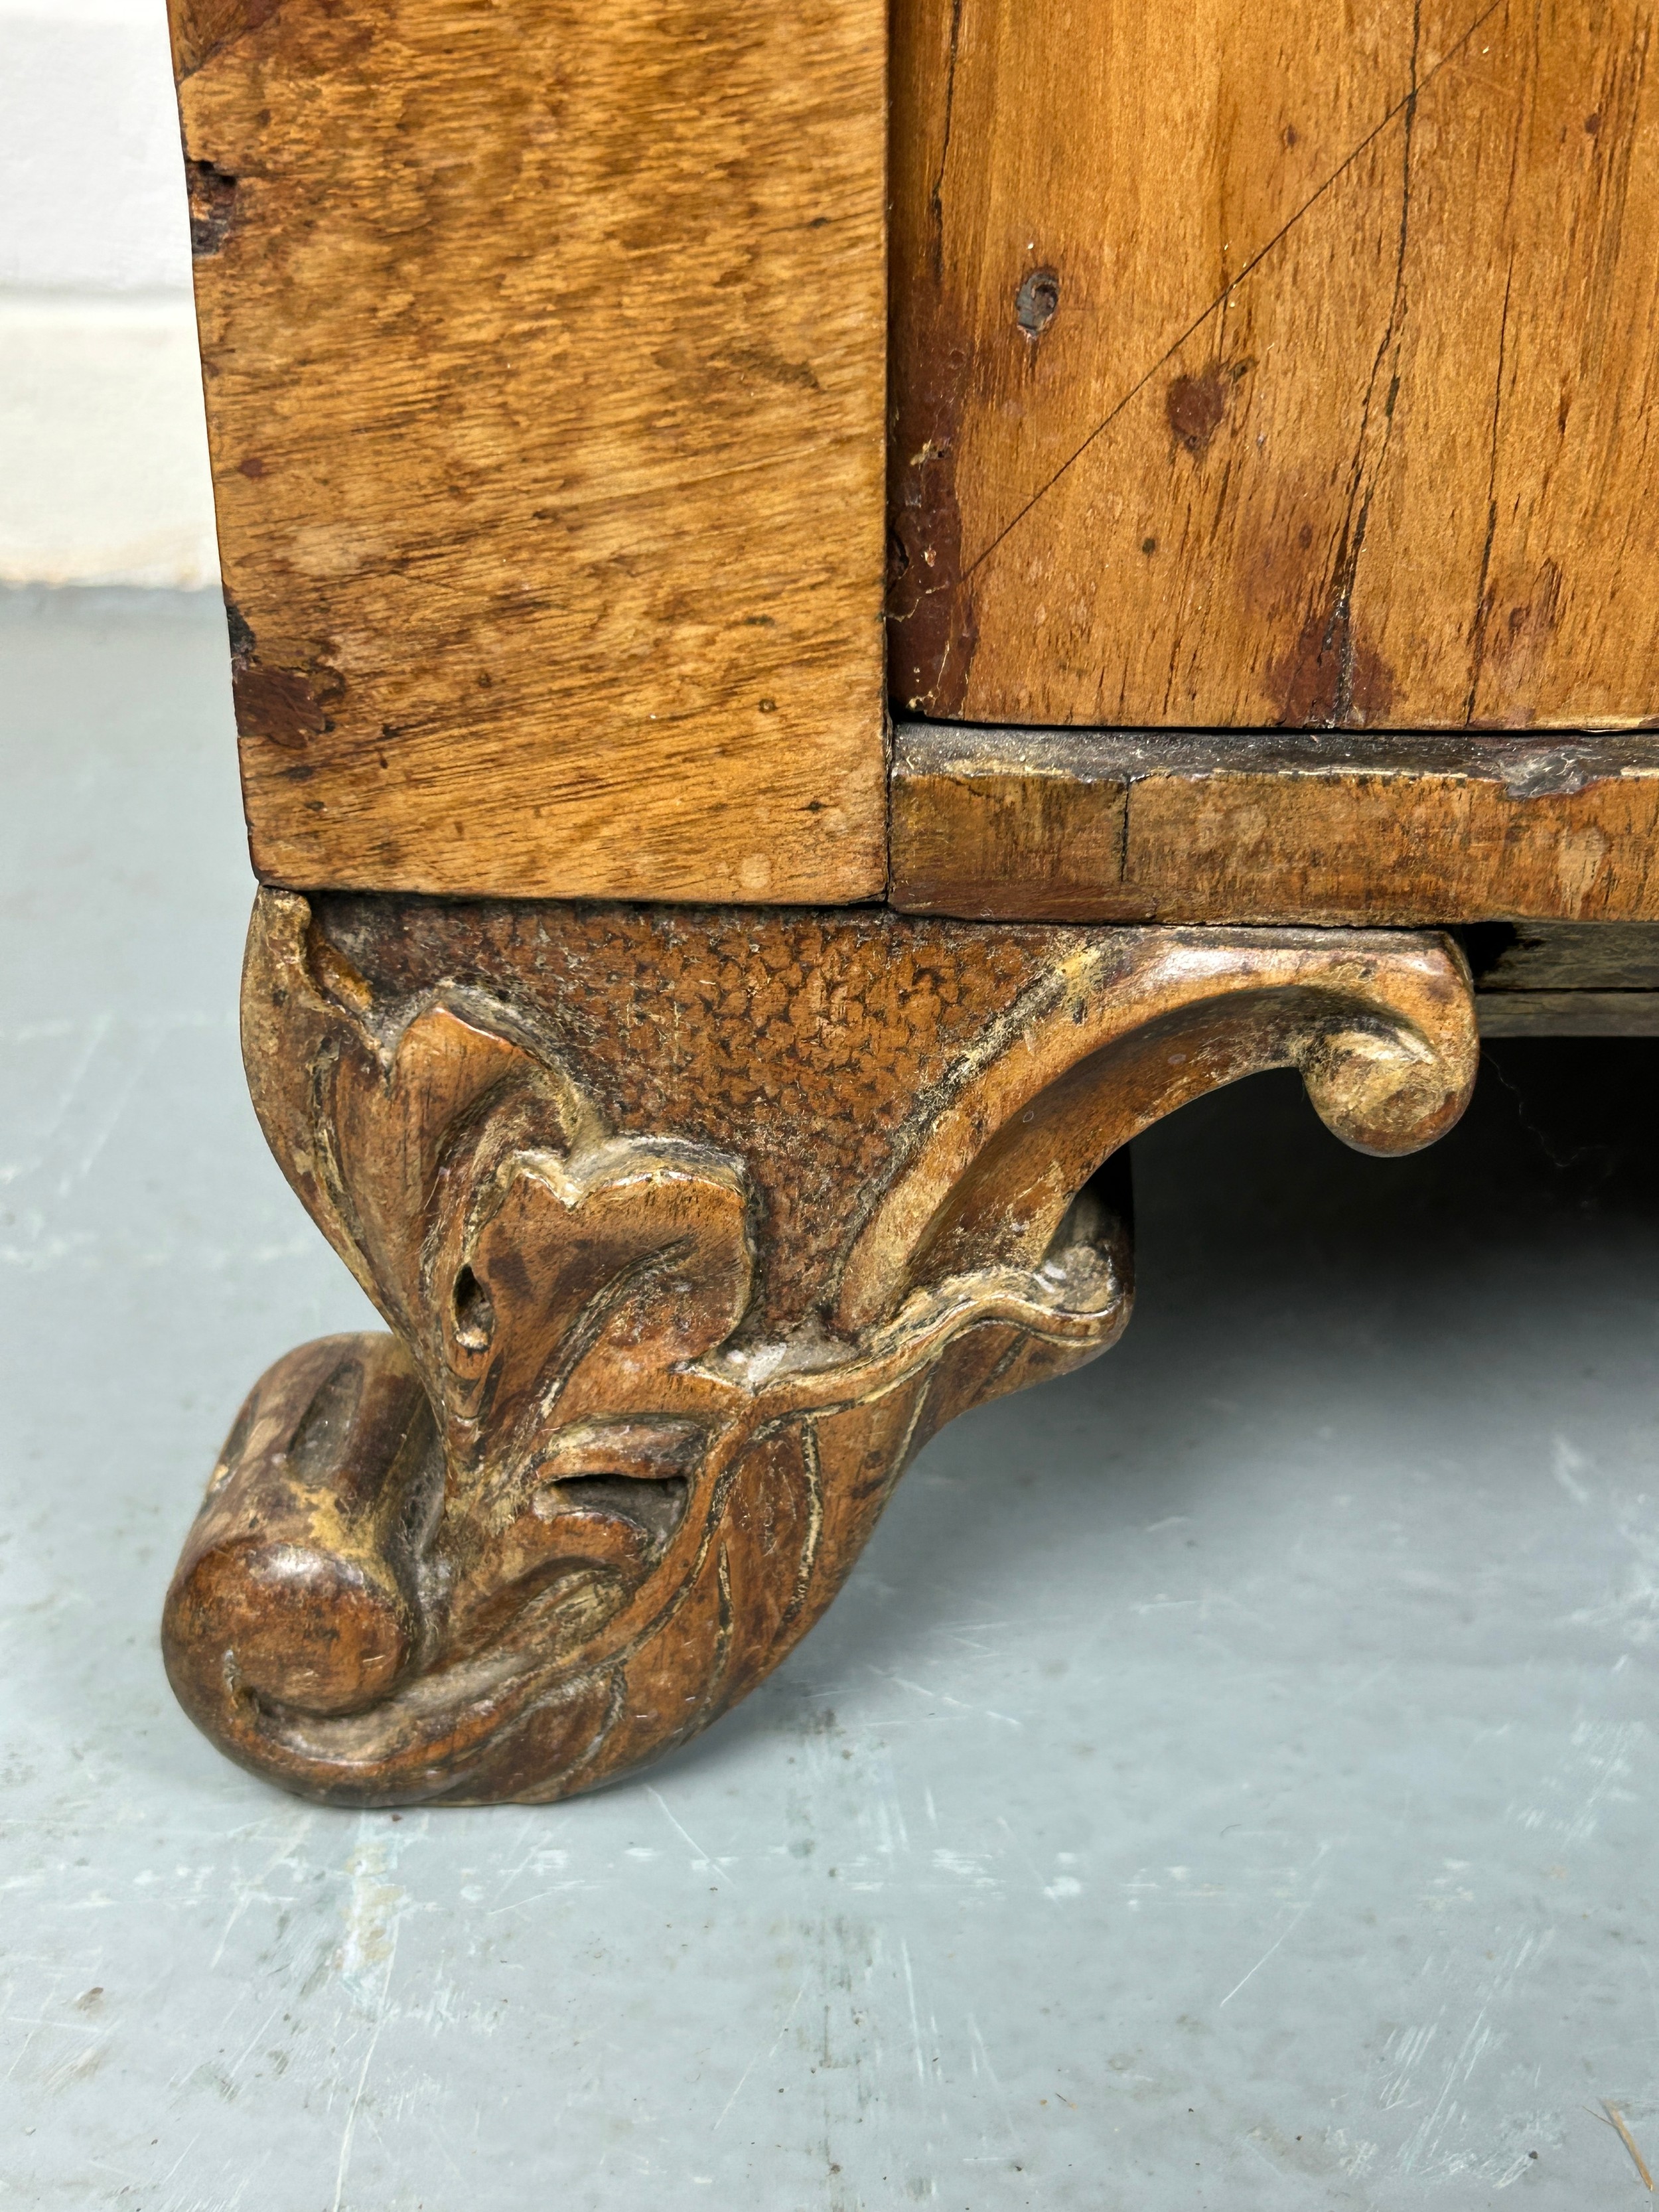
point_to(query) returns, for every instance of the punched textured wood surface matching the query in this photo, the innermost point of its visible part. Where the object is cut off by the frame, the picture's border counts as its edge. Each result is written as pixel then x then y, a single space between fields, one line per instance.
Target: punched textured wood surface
pixel 544 356
pixel 823 1036
pixel 1276 365
pixel 1001 824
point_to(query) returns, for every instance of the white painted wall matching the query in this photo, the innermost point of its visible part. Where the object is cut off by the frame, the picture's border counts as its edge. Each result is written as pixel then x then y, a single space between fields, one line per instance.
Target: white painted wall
pixel 103 457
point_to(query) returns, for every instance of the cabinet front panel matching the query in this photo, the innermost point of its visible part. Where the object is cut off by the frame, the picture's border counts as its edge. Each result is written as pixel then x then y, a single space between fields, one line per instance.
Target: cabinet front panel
pixel 1276 365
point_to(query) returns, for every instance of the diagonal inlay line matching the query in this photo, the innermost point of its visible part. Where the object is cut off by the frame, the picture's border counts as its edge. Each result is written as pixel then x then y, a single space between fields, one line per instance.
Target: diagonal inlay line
pixel 1415 92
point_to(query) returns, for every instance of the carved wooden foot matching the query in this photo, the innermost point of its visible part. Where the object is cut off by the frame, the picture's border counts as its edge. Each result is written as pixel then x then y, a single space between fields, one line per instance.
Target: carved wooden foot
pixel 692 1226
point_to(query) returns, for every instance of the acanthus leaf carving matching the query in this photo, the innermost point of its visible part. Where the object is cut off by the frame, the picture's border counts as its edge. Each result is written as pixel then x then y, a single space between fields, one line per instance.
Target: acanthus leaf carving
pixel 581 1499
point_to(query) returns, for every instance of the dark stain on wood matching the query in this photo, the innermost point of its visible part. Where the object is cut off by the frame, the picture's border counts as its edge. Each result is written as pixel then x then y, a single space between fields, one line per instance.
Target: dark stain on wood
pixel 285 707
pixel 929 608
pixel 1515 646
pixel 1196 407
pixel 212 207
pixel 1333 680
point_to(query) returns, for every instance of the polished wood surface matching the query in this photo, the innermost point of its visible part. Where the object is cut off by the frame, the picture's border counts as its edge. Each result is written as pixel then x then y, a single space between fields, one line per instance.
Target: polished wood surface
pixel 1148 826
pixel 543 351
pixel 1276 365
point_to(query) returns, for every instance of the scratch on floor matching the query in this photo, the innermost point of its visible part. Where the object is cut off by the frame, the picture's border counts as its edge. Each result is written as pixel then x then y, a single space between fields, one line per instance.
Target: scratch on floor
pixel 245 1892
pixel 782 2031
pixel 344 2166
pixel 915 2022
pixel 980 2056
pixel 1425 2142
pixel 703 1862
pixel 1294 1922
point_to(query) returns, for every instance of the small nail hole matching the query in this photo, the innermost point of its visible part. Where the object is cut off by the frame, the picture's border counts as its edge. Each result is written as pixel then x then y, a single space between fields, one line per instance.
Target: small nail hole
pixel 1036 301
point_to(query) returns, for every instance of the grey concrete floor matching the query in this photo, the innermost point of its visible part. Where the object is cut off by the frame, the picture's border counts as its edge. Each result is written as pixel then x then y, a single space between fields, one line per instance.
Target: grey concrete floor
pixel 1229 1778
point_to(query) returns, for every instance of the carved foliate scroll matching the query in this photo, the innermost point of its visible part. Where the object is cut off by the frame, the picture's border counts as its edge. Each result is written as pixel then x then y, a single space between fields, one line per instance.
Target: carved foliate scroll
pixel 690 1229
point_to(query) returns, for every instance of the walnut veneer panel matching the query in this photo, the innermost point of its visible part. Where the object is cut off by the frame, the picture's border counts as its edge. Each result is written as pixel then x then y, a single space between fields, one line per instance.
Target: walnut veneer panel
pixel 1276 365
pixel 544 362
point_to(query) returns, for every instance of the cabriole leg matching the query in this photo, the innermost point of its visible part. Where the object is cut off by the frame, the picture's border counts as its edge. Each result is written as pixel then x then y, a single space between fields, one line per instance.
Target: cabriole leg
pixel 690 1226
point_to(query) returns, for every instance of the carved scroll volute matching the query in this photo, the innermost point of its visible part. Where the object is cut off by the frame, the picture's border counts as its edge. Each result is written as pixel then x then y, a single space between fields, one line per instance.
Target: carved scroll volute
pixel 1137 1024
pixel 579 1504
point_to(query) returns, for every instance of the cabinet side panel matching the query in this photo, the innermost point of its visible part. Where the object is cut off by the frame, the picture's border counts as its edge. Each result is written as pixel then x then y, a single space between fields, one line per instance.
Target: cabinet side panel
pixel 543 355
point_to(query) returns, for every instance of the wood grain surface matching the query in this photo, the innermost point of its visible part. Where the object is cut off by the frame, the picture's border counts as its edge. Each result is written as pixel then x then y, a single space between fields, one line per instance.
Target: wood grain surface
pixel 1139 826
pixel 543 351
pixel 1565 956
pixel 1566 979
pixel 1567 1013
pixel 1276 365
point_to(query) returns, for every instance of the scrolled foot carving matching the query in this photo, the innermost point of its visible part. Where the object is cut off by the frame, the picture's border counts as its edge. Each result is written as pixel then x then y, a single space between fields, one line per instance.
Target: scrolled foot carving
pixel 690 1228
